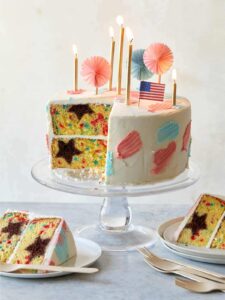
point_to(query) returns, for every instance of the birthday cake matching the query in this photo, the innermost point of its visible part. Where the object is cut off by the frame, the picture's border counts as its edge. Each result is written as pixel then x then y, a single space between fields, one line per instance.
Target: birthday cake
pixel 28 239
pixel 125 138
pixel 204 225
pixel 127 144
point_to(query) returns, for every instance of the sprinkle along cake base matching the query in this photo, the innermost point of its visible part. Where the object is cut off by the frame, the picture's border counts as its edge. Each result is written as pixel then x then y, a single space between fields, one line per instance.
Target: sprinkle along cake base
pixel 127 144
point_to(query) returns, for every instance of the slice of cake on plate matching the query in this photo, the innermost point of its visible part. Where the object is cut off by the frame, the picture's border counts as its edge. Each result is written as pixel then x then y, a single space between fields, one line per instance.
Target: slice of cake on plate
pixel 204 225
pixel 41 240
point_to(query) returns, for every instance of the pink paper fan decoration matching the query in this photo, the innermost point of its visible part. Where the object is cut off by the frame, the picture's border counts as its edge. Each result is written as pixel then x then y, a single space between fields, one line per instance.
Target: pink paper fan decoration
pixel 158 58
pixel 96 70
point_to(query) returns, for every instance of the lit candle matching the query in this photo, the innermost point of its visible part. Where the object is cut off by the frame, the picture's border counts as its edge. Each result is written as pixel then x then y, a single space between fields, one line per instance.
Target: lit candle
pixel 75 67
pixel 130 48
pixel 111 33
pixel 174 77
pixel 119 20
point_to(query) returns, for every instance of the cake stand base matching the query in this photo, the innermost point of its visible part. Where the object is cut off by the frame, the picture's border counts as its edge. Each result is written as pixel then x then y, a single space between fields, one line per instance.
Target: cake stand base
pixel 115 231
pixel 134 237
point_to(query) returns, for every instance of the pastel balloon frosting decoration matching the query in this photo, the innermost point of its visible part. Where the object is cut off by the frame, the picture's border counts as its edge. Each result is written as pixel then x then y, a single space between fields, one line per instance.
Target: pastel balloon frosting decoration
pixel 165 105
pixel 168 131
pixel 96 71
pixel 139 69
pixel 130 145
pixel 109 163
pixel 162 157
pixel 186 137
pixel 158 58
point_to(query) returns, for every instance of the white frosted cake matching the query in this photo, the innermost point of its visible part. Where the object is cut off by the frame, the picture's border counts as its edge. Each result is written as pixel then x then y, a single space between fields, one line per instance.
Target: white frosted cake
pixel 126 144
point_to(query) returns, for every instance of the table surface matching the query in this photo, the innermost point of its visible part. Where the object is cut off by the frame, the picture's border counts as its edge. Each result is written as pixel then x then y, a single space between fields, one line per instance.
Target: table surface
pixel 121 276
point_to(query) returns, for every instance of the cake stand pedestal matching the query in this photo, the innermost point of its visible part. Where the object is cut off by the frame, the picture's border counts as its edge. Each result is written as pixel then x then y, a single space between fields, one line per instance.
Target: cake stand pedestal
pixel 115 231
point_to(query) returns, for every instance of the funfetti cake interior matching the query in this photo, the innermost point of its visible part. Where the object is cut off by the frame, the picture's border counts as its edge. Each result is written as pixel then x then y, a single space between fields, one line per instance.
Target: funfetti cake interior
pixel 12 226
pixel 28 239
pixel 128 144
pixel 204 225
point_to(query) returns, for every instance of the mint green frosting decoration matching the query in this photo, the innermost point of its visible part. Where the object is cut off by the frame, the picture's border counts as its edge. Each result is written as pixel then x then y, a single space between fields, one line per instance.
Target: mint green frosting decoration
pixel 109 163
pixel 189 148
pixel 62 250
pixel 168 131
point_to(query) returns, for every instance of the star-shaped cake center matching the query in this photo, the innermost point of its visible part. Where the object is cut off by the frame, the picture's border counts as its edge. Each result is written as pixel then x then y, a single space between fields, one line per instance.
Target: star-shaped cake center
pixel 38 247
pixel 13 229
pixel 197 223
pixel 67 150
pixel 80 110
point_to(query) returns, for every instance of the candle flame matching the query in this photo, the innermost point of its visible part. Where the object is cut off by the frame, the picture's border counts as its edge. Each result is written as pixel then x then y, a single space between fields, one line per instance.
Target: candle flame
pixel 74 49
pixel 174 74
pixel 111 32
pixel 119 20
pixel 129 34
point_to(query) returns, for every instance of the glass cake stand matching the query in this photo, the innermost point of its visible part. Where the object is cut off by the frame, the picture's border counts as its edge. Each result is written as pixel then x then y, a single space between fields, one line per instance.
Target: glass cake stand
pixel 115 232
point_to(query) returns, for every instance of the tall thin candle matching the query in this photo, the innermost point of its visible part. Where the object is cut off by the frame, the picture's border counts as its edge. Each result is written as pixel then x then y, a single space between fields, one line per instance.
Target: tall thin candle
pixel 130 50
pixel 75 67
pixel 111 33
pixel 120 66
pixel 174 77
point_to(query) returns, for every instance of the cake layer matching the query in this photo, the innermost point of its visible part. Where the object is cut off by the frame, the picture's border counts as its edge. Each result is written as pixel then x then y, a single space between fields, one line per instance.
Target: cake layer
pixel 35 241
pixel 199 226
pixel 80 119
pixel 78 153
pixel 12 225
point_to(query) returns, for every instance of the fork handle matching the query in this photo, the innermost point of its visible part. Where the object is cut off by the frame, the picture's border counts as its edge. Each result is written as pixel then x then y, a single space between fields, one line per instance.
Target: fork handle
pixel 204 275
pixel 57 268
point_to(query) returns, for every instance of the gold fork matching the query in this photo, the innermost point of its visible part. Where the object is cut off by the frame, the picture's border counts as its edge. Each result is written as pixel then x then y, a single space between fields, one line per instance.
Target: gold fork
pixel 12 268
pixel 172 266
pixel 200 287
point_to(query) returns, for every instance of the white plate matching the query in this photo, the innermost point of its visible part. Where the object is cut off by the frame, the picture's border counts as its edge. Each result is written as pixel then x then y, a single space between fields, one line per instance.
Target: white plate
pixel 210 260
pixel 166 233
pixel 87 253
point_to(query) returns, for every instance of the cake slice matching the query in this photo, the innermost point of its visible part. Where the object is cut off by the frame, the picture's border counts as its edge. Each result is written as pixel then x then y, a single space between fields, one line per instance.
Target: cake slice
pixel 12 226
pixel 201 224
pixel 46 240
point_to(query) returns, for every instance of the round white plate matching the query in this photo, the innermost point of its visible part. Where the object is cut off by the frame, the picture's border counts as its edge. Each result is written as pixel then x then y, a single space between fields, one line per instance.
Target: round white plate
pixel 166 233
pixel 87 253
pixel 210 260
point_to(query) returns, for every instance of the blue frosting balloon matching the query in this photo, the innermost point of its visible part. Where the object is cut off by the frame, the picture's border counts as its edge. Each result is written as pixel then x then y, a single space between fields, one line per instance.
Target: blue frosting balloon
pixel 109 163
pixel 138 68
pixel 168 131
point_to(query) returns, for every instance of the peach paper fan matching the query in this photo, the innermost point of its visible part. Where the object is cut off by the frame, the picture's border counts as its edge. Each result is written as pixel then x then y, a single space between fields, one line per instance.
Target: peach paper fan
pixel 158 58
pixel 96 71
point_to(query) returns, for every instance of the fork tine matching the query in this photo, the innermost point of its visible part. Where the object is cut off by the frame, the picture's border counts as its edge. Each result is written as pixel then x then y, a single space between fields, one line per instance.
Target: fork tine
pixel 152 254
pixel 143 251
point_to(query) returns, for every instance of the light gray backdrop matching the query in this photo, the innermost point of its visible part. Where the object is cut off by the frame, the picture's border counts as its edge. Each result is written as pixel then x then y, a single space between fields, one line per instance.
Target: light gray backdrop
pixel 36 38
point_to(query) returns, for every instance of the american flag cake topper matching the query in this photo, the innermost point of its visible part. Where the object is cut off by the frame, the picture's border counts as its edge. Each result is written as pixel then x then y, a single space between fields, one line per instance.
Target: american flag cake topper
pixel 151 91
